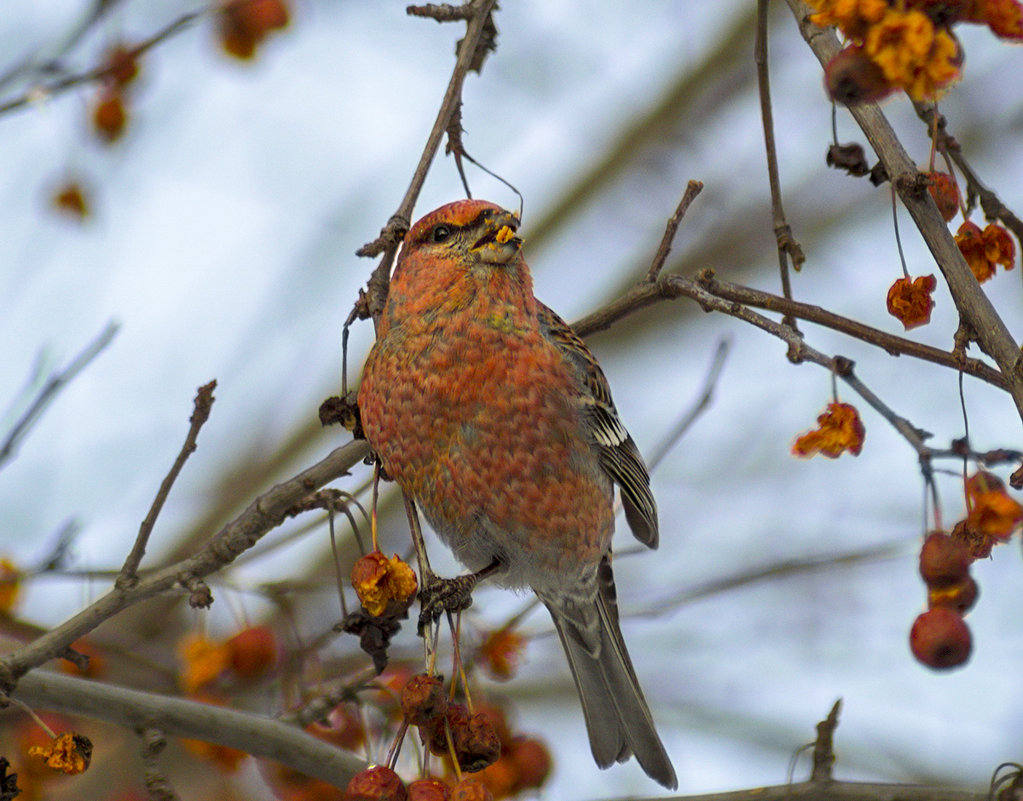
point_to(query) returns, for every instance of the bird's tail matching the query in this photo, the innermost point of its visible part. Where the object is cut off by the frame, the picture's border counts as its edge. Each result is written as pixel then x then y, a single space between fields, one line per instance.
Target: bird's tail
pixel 618 719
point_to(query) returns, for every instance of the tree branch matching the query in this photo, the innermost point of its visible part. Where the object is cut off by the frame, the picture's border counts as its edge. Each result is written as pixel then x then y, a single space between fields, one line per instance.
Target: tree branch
pixel 253 734
pixel 973 305
pixel 261 516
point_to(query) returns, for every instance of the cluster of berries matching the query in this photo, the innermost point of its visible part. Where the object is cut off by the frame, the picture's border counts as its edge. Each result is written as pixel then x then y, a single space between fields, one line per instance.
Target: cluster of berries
pixel 940 637
pixel 474 741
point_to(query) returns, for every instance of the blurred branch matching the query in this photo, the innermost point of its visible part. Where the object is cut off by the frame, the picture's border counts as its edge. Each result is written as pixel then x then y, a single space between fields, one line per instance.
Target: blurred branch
pixel 974 306
pixel 254 734
pixel 775 570
pixel 51 388
pixel 47 90
pixel 698 407
pixel 717 74
pixel 265 513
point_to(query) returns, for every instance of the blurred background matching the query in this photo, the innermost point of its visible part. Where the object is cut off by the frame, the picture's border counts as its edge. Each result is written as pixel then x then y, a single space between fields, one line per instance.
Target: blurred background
pixel 220 234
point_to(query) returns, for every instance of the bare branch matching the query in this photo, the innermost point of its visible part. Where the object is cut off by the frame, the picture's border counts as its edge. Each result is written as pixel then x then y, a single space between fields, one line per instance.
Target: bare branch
pixel 253 734
pixel 261 516
pixel 203 402
pixel 693 188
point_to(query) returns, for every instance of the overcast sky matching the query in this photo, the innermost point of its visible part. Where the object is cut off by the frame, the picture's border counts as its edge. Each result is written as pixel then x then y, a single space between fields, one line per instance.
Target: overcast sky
pixel 222 240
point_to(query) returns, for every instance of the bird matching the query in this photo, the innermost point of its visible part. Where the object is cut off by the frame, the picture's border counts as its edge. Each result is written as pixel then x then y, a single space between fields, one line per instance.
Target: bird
pixel 497 421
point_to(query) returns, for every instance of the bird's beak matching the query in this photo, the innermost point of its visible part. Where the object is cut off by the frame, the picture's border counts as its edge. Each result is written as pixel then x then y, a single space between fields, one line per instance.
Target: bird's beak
pixel 498 244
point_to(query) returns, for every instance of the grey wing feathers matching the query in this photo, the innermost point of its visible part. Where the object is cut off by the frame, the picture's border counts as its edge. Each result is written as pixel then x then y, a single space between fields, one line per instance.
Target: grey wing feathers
pixel 619 456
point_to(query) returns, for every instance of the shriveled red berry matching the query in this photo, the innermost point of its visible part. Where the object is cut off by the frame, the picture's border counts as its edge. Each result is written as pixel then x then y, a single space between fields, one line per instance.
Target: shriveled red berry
pixel 429 790
pixel 961 597
pixel 433 733
pixel 944 560
pixel 470 790
pixel 377 783
pixel 476 743
pixel 423 699
pixel 940 638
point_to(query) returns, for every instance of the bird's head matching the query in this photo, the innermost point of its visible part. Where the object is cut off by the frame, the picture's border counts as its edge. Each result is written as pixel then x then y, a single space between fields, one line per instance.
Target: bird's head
pixel 475 232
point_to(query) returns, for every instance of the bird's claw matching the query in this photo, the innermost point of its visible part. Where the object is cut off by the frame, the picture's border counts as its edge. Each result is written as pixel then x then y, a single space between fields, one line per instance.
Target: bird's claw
pixel 440 595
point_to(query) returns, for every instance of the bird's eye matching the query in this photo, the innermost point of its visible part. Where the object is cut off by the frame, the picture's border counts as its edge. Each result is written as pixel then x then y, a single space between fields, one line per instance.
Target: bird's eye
pixel 440 233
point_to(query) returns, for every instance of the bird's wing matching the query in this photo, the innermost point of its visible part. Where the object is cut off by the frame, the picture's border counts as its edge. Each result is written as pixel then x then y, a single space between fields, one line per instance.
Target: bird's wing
pixel 619 456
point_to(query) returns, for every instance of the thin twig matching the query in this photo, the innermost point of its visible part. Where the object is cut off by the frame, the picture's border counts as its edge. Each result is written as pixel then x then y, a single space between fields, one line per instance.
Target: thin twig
pixel 788 247
pixel 391 234
pixel 51 388
pixel 200 414
pixel 693 188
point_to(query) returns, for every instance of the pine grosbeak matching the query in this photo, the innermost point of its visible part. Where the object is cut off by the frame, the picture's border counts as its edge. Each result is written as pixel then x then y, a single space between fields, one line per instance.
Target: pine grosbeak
pixel 496 419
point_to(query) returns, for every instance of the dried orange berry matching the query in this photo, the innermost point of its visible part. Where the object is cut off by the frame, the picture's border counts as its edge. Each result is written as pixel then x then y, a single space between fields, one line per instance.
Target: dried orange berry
pixel 423 699
pixel 940 638
pixel 434 732
pixel 377 783
pixel 68 753
pixel 960 596
pixel 121 63
pixel 970 241
pixel 1003 17
pixel 998 246
pixel 109 115
pixel 10 585
pixel 382 584
pixel 501 652
pixel 244 24
pixel 992 511
pixel 252 652
pixel 204 661
pixel 839 429
pixel 476 743
pixel 910 300
pixel 945 193
pixel 69 199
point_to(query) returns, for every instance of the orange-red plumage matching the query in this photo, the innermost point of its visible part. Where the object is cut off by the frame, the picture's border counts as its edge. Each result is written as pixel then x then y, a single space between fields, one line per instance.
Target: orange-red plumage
pixel 488 410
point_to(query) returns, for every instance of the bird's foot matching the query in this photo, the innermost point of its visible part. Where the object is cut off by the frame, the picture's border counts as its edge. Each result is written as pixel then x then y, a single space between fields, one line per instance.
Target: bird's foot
pixel 441 595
